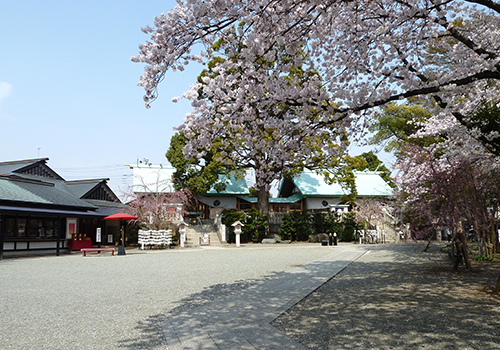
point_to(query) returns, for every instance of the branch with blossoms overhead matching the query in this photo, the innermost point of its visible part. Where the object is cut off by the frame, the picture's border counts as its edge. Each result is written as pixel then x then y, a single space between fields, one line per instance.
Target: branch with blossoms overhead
pixel 256 132
pixel 368 53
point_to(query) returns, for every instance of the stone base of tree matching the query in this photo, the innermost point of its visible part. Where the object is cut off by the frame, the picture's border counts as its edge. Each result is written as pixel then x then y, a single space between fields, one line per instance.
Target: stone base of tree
pixel 318 238
pixel 271 239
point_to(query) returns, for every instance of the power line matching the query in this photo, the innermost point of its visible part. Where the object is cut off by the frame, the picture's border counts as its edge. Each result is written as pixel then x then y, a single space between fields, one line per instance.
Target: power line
pixel 93 168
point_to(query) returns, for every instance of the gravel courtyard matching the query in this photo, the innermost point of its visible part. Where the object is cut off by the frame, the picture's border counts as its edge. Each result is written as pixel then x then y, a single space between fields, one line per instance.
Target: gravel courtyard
pixel 393 297
pixel 109 302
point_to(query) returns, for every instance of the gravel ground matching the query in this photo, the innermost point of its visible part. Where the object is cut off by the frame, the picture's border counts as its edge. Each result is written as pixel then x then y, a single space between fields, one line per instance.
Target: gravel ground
pixel 110 302
pixel 396 297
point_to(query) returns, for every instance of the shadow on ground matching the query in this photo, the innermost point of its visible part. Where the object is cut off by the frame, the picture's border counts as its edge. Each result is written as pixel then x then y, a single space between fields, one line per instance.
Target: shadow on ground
pixel 150 328
pixel 397 297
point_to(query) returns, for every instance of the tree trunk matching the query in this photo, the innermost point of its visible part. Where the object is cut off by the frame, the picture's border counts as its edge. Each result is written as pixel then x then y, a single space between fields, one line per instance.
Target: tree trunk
pixel 263 200
pixel 497 287
pixel 494 240
pixel 463 243
pixel 427 246
pixel 460 247
pixel 456 254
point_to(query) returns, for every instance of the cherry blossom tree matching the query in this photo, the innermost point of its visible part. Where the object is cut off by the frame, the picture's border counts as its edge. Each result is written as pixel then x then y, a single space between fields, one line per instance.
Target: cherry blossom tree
pixel 243 127
pixel 157 205
pixel 451 182
pixel 370 212
pixel 368 53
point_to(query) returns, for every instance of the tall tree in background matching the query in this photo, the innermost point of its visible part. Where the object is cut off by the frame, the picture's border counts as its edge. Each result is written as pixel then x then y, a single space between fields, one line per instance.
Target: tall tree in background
pixel 197 175
pixel 393 127
pixel 346 178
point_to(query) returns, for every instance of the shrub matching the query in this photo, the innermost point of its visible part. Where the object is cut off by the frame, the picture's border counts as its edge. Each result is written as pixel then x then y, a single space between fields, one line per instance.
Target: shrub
pixel 348 227
pixel 296 226
pixel 321 222
pixel 483 257
pixel 255 227
pixel 288 228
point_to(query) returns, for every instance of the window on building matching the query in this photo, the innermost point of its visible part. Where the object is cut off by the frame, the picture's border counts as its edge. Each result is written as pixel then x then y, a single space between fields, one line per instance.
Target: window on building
pixel 31 227
pixel 36 228
pixel 21 227
pixel 49 228
pixel 10 227
pixel 295 207
pixel 246 206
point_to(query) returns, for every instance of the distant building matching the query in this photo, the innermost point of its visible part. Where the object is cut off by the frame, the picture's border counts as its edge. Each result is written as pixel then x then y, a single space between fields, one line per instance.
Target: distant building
pixel 39 210
pixel 317 195
pixel 214 202
pixel 148 177
pixel 308 191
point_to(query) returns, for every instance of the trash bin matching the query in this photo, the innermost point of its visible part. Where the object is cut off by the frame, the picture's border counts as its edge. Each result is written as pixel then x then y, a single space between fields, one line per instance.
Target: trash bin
pixel 324 242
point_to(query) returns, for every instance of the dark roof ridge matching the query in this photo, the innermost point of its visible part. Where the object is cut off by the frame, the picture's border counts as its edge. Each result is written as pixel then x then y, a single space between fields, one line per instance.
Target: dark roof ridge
pixel 26 180
pixel 34 160
pixel 69 182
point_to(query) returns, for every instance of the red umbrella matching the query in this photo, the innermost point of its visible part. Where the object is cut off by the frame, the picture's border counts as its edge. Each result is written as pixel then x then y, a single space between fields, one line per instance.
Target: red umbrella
pixel 121 217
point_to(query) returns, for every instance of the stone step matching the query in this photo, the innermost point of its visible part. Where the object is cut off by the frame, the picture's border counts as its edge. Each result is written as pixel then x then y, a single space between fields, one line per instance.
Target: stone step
pixel 194 233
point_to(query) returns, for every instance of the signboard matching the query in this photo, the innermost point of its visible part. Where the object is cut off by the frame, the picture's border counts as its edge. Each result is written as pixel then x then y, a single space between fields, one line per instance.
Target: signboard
pixel 70 227
pixel 98 235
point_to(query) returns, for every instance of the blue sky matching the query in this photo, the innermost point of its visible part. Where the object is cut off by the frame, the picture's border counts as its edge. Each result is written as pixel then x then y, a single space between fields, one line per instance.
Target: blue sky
pixel 68 90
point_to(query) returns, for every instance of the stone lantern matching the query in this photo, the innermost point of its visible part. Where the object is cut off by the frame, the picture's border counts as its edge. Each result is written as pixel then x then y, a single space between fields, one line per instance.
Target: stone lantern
pixel 237 231
pixel 182 232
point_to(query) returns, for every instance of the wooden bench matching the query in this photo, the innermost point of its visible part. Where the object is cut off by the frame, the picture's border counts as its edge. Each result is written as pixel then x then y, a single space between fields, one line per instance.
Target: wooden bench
pixel 85 250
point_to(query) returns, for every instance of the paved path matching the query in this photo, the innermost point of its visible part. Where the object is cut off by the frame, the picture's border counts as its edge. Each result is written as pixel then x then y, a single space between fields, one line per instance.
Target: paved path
pixel 242 320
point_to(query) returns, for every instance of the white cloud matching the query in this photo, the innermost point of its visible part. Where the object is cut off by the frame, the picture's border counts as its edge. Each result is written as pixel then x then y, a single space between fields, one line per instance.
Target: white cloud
pixel 5 89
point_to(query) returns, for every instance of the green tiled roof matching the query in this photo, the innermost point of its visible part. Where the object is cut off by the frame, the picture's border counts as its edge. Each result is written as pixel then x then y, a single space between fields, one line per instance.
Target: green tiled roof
pixel 249 199
pixel 234 187
pixel 368 184
pixel 292 199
